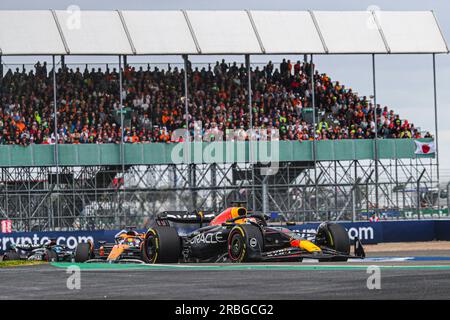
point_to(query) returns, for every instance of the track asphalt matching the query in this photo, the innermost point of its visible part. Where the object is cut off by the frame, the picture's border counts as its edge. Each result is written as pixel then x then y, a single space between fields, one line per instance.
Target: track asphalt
pixel 402 277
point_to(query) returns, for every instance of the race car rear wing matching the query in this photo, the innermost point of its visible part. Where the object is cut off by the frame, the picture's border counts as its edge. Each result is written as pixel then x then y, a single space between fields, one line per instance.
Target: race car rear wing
pixel 27 247
pixel 184 217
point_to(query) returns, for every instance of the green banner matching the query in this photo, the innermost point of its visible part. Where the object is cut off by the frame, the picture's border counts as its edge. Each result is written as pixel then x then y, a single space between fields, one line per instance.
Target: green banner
pixel 204 152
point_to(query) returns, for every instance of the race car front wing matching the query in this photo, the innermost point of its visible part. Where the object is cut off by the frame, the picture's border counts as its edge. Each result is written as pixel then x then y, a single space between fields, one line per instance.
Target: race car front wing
pixel 297 254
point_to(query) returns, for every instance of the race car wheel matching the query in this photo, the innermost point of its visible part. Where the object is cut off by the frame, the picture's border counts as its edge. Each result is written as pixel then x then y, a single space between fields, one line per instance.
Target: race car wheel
pixel 245 243
pixel 161 245
pixel 334 236
pixel 83 252
pixel 12 255
pixel 50 256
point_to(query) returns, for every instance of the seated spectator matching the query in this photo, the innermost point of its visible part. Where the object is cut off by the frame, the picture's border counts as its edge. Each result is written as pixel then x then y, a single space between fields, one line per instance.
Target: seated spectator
pixel 89 112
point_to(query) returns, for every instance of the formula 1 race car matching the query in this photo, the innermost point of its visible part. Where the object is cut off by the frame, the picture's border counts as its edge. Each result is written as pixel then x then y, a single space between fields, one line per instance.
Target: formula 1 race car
pixel 127 247
pixel 236 236
pixel 50 251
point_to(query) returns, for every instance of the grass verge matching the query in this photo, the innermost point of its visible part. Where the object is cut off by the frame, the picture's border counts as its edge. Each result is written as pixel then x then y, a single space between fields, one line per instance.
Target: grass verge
pixel 17 263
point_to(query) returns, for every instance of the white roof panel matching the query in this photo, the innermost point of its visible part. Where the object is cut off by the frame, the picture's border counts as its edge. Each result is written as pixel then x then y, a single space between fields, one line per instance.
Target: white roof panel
pixel 159 32
pixel 36 32
pixel 224 32
pixel 94 32
pixel 411 32
pixel 350 32
pixel 287 32
pixel 29 32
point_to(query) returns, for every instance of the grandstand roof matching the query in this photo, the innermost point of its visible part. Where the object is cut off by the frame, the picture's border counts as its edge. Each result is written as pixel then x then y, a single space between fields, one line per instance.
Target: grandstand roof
pixel 48 32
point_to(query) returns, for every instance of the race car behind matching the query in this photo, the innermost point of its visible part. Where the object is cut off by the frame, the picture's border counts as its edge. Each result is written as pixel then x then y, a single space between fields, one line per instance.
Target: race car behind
pixel 127 247
pixel 50 251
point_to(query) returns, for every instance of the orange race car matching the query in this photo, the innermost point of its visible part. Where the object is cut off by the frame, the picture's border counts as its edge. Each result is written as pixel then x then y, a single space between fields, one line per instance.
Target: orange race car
pixel 126 248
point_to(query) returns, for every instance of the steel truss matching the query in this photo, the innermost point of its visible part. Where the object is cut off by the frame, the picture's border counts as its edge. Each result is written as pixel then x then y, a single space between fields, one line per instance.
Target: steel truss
pixel 105 197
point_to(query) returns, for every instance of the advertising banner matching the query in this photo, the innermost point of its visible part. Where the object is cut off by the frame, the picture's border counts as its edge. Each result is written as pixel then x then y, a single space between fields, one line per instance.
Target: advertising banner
pixel 68 238
pixel 365 231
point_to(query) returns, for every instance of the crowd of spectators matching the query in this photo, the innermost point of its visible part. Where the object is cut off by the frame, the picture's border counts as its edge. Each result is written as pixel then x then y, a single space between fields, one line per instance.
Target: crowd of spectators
pixel 88 105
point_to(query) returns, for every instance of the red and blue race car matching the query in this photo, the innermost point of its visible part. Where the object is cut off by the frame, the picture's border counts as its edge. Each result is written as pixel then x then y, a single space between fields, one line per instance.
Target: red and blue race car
pixel 237 236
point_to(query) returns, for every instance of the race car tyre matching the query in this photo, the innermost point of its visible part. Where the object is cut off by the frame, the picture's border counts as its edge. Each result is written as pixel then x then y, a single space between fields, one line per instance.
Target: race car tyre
pixel 334 236
pixel 161 245
pixel 83 252
pixel 50 256
pixel 245 243
pixel 12 255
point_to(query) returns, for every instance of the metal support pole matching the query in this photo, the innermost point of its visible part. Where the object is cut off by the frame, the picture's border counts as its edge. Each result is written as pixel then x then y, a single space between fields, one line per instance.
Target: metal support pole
pixel 186 92
pixel 376 132
pixel 249 74
pixel 193 184
pixel 418 193
pixel 264 195
pixel 122 131
pixel 214 184
pixel 122 138
pixel 1 80
pixel 396 184
pixel 313 100
pixel 55 128
pixel 55 112
pixel 187 138
pixel 367 196
pixel 448 198
pixel 436 119
pixel 354 191
pixel 192 168
pixel 336 210
pixel 250 116
pixel 353 205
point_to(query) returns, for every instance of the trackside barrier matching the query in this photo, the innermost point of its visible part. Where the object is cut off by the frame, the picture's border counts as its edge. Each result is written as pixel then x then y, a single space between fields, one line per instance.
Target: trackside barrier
pixel 442 230
pixel 368 232
pixel 390 231
pixel 68 238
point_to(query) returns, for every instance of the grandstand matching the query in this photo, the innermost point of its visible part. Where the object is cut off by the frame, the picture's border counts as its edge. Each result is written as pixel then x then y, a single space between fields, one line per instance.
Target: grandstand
pixel 89 108
pixel 93 148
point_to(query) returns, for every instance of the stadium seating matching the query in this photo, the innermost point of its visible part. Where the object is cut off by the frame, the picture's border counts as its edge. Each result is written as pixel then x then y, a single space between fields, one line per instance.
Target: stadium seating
pixel 89 110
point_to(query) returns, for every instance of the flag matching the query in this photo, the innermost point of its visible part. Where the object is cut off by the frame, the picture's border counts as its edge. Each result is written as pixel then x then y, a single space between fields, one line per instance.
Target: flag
pixel 425 147
pixel 6 226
